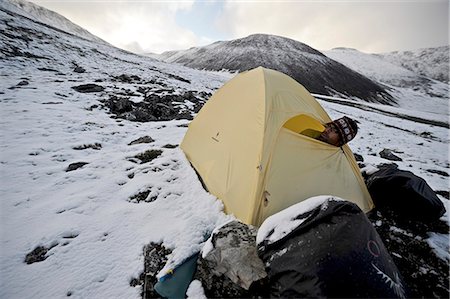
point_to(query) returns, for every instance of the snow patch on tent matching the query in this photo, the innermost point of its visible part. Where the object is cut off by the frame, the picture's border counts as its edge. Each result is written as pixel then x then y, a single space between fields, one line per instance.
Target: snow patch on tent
pixel 282 223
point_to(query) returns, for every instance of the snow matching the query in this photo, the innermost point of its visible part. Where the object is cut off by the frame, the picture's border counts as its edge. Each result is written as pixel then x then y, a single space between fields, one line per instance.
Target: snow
pixel 48 17
pixel 195 290
pixel 396 76
pixel 282 223
pixel 440 244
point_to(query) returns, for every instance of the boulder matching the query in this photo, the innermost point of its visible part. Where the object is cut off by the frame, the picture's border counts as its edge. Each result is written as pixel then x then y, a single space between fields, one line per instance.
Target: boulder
pixel 85 88
pixel 231 252
pixel 389 155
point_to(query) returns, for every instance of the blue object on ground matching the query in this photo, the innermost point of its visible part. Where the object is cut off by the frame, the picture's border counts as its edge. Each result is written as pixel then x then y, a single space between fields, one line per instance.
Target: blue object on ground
pixel 175 285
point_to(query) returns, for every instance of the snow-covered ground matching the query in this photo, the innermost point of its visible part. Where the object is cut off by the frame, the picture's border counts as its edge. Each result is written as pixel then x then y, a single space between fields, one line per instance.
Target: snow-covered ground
pixel 87 218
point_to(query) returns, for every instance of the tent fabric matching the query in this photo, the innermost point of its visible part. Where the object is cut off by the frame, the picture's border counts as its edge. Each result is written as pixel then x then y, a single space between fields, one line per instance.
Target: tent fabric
pixel 233 143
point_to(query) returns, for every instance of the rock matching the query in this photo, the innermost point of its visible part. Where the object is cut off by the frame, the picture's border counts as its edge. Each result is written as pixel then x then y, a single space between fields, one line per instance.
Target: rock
pixel 47 69
pixel 95 146
pixel 388 155
pixel 148 156
pixel 38 254
pixel 443 193
pixel 118 105
pixel 170 146
pixel 145 139
pixel 75 166
pixel 425 274
pixel 85 88
pixel 79 69
pixel 127 78
pixel 358 157
pixel 155 257
pixel 440 172
pixel 23 83
pixel 142 196
pixel 234 254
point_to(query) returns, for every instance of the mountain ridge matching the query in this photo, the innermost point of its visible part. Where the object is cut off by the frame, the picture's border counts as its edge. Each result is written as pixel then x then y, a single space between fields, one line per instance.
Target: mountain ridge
pixel 310 67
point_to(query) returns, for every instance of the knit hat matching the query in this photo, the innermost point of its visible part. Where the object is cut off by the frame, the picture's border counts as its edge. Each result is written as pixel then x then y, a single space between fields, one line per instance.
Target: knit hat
pixel 347 129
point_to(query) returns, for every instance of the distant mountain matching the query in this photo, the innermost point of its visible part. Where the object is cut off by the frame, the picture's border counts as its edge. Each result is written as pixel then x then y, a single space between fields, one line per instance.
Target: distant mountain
pixel 387 69
pixel 317 72
pixel 430 62
pixel 48 17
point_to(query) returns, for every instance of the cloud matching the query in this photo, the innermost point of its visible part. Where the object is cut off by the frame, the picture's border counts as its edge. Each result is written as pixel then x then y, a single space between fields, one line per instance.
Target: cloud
pixel 146 26
pixel 370 26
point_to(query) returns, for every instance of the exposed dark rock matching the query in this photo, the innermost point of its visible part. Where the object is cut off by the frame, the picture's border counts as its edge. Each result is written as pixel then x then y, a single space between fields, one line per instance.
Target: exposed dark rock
pixel 440 172
pixel 79 69
pixel 75 166
pixel 142 196
pixel 52 103
pixel 130 175
pixel 127 78
pixel 96 146
pixel 443 193
pixel 38 254
pixel 170 146
pixel 145 139
pixel 148 156
pixel 389 155
pixel 178 78
pixel 92 107
pixel 153 107
pixel 84 88
pixel 155 257
pixel 47 69
pixel 118 105
pixel 23 83
pixel 358 157
pixel 425 275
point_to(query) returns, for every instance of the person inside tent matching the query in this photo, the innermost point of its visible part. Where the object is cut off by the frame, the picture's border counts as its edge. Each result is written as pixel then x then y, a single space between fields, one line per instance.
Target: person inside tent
pixel 337 132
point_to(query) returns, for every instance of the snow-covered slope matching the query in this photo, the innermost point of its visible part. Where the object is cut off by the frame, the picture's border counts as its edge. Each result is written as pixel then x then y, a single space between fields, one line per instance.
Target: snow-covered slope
pixel 84 186
pixel 412 90
pixel 48 17
pixel 380 69
pixel 430 62
pixel 308 66
pixel 91 219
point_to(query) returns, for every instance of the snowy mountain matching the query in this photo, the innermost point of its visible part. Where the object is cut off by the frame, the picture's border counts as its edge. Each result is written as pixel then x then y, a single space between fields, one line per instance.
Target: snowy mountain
pixel 48 17
pixel 402 83
pixel 315 71
pixel 381 69
pixel 430 62
pixel 91 172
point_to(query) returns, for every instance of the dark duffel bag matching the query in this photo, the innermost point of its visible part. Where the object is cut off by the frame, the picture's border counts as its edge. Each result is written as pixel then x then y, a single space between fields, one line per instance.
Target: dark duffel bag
pixel 333 252
pixel 406 195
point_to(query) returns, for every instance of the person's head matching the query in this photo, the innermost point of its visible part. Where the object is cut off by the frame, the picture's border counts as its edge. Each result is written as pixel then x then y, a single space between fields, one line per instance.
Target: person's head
pixel 339 131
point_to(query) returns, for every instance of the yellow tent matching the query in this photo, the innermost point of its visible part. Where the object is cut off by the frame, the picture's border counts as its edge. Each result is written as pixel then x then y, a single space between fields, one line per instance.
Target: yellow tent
pixel 245 145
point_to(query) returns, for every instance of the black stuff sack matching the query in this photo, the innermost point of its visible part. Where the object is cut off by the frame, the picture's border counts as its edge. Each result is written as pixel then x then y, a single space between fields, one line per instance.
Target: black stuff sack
pixel 329 249
pixel 404 194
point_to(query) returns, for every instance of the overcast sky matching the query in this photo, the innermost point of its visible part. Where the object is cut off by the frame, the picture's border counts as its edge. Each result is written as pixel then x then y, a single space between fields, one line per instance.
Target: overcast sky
pixel 371 26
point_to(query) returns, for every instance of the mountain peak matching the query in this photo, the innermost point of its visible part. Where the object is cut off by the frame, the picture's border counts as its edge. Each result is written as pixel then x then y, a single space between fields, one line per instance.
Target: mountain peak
pixel 318 73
